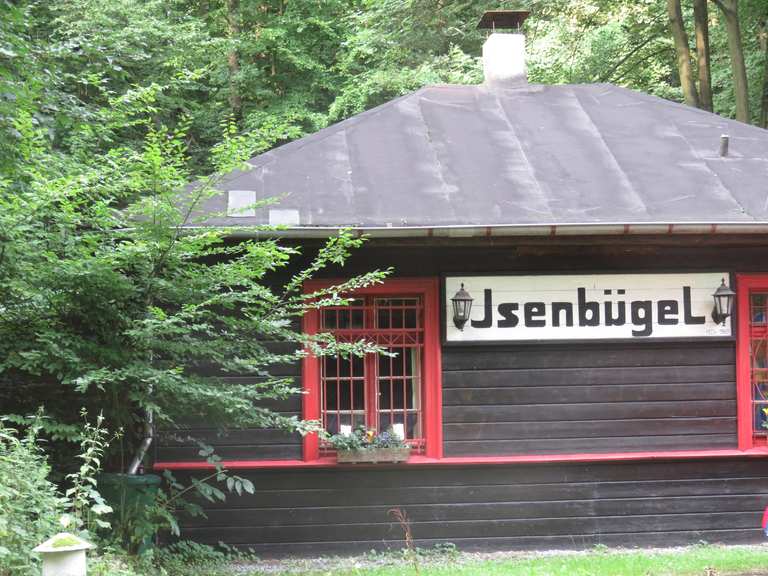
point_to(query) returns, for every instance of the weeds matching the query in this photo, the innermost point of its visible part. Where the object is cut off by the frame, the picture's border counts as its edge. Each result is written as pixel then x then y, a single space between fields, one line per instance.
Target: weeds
pixel 410 548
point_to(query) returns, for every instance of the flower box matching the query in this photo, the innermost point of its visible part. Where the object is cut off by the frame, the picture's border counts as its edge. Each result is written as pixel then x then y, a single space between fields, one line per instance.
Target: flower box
pixel 373 455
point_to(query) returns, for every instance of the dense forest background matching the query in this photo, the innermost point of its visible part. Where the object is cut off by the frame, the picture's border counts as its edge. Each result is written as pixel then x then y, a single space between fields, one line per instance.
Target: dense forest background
pixel 74 72
pixel 109 108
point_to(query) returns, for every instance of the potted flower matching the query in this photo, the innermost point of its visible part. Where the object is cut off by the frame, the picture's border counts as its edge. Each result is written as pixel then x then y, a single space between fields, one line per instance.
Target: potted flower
pixel 366 446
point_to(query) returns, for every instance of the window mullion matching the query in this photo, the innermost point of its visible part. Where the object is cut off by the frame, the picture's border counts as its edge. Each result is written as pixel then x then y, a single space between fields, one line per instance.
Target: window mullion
pixel 371 392
pixel 371 370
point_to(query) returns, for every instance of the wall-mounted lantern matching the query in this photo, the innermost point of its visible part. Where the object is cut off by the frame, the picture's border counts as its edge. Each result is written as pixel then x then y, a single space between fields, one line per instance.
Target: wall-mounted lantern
pixel 462 306
pixel 723 303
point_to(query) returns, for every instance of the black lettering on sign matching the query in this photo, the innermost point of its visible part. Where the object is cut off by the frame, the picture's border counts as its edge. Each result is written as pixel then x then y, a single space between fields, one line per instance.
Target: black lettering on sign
pixel 534 314
pixel 557 309
pixel 668 311
pixel 507 311
pixel 642 315
pixel 487 320
pixel 621 313
pixel 689 317
pixel 589 312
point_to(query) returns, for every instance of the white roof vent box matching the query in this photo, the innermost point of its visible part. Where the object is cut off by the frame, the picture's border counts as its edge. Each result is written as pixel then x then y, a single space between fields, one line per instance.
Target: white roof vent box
pixel 240 203
pixel 504 52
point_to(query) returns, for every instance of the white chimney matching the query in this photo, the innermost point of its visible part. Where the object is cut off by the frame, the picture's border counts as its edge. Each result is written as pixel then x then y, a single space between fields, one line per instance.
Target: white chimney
pixel 504 60
pixel 504 53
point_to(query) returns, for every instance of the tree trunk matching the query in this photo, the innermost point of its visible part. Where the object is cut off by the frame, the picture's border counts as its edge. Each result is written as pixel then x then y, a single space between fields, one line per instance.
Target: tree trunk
pixel 764 46
pixel 233 31
pixel 730 10
pixel 701 21
pixel 683 52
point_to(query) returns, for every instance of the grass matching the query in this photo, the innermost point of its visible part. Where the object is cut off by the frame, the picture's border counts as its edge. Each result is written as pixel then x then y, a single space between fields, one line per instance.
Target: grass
pixel 702 560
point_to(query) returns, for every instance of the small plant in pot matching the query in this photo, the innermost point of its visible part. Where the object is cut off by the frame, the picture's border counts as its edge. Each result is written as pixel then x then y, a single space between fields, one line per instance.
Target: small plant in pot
pixel 366 446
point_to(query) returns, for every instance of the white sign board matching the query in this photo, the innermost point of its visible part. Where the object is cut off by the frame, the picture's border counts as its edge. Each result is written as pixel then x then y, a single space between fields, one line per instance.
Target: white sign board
pixel 576 307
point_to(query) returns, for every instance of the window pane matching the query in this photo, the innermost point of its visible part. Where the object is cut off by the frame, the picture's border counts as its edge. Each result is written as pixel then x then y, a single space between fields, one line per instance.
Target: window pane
pixel 758 305
pixel 343 400
pixel 399 385
pixel 344 317
pixel 759 375
pixel 329 318
pixel 411 420
pixel 397 313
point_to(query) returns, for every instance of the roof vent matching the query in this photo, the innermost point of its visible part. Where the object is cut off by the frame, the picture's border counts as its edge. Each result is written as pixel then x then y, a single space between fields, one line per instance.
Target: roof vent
pixel 504 53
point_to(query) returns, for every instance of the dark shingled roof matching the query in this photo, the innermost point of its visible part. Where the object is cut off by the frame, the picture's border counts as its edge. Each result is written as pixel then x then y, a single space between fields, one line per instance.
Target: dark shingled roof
pixel 467 155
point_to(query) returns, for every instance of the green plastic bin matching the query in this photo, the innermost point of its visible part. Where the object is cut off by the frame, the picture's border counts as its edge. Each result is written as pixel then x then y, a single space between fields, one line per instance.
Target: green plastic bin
pixel 129 495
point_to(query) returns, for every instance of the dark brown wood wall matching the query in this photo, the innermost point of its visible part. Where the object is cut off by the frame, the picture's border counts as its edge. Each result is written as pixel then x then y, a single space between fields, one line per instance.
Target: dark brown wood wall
pixel 533 398
pixel 550 397
pixel 588 398
pixel 322 511
pixel 247 444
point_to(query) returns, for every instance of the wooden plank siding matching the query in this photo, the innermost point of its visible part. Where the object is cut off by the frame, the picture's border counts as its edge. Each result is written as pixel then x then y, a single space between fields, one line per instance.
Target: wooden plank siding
pixel 247 444
pixel 521 506
pixel 616 397
pixel 533 398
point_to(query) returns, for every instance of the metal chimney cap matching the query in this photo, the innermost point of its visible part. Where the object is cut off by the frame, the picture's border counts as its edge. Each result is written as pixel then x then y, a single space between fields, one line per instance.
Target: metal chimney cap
pixel 493 19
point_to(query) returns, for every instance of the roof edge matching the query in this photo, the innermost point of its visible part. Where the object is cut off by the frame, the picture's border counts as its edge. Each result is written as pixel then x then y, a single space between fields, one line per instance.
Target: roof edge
pixel 502 230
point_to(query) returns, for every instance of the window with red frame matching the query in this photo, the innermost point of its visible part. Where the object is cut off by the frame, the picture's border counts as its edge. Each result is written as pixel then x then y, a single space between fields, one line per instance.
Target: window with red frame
pixel 752 359
pixel 379 391
pixel 758 360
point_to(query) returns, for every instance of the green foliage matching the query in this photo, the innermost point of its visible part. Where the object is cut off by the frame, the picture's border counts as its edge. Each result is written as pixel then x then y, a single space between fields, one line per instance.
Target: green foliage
pixel 87 506
pixel 131 321
pixel 111 299
pixel 32 508
pixel 30 505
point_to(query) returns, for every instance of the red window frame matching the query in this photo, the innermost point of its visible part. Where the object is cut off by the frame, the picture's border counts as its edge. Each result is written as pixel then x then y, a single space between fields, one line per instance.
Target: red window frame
pixel 746 284
pixel 428 289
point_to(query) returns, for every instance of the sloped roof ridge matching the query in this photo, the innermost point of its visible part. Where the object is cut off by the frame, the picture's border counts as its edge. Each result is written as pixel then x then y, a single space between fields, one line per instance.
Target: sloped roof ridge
pixel 329 131
pixel 678 105
pixel 333 129
pixel 260 160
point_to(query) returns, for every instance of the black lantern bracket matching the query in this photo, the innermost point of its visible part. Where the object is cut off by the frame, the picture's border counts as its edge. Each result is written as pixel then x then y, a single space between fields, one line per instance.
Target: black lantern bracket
pixel 723 297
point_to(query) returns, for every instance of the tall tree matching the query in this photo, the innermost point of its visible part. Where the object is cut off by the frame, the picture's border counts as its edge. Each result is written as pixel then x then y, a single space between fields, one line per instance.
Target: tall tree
pixel 701 24
pixel 764 96
pixel 683 51
pixel 730 10
pixel 233 63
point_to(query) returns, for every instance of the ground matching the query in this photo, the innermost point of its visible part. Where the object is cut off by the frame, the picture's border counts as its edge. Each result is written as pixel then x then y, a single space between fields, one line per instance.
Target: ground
pixel 699 560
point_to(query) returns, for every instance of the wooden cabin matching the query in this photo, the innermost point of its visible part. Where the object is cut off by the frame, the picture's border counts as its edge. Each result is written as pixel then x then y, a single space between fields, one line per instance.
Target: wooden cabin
pixel 601 391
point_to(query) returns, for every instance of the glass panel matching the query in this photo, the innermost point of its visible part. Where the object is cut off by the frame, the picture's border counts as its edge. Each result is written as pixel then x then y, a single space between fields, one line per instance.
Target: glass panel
pixel 343 392
pixel 399 385
pixel 397 313
pixel 329 318
pixel 344 317
pixel 758 304
pixel 759 382
pixel 759 361
pixel 387 419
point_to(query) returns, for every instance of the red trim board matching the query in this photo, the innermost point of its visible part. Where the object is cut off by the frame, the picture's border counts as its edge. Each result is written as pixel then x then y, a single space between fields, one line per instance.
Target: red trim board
pixel 330 462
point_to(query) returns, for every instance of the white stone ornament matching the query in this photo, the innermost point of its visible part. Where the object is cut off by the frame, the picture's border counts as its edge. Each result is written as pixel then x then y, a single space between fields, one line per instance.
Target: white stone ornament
pixel 64 555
